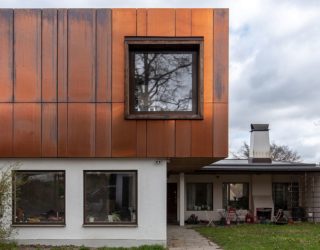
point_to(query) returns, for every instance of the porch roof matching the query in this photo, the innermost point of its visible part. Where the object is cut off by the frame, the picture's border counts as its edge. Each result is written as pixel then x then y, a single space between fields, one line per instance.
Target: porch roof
pixel 242 165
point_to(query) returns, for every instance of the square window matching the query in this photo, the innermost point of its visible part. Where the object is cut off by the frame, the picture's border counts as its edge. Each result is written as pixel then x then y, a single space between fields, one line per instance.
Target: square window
pixel 110 197
pixel 164 77
pixel 38 198
pixel 199 196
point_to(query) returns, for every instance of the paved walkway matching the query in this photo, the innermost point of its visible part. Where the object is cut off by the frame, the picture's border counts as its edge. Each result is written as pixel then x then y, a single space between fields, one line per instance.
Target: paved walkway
pixel 183 238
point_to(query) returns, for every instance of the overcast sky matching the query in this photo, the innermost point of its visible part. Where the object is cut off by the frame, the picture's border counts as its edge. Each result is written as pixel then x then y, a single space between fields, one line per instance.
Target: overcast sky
pixel 274 64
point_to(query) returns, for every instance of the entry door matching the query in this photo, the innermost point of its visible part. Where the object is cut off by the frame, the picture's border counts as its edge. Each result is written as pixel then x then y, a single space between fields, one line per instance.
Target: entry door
pixel 172 191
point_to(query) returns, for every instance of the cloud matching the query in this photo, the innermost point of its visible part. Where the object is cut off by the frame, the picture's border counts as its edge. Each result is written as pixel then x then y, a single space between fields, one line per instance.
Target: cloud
pixel 274 64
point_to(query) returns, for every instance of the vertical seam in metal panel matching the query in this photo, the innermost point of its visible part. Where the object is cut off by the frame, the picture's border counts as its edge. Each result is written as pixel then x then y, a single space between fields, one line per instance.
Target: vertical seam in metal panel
pixel 41 100
pixel 13 58
pixel 213 83
pixel 67 54
pixel 95 64
pixel 57 82
pixel 13 82
pixel 96 85
pixel 111 83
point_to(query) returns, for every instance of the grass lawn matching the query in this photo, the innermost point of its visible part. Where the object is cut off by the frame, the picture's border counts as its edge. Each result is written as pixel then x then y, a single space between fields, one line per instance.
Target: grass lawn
pixel 12 246
pixel 246 237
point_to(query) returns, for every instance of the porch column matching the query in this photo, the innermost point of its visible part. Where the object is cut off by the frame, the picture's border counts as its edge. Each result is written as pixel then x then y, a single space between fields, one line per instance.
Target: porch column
pixel 181 198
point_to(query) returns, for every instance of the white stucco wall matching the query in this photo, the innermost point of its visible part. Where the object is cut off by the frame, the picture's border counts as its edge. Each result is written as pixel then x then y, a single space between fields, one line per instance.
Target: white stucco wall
pixel 151 229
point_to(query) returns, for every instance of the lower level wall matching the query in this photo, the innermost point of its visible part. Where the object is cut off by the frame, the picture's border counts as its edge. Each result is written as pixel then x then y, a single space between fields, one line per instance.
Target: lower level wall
pixel 151 206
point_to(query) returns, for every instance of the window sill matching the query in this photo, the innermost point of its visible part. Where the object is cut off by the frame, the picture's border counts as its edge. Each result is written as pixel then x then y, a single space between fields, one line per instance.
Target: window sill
pixel 38 225
pixel 110 225
pixel 162 116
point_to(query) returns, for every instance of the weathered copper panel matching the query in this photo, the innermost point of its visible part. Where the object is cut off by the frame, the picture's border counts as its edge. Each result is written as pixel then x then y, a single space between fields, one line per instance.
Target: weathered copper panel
pixel 103 55
pixel 161 22
pixel 6 129
pixel 49 130
pixel 123 24
pixel 141 138
pixel 161 134
pixel 202 134
pixel 124 141
pixel 160 138
pixel 141 22
pixel 183 22
pixel 62 129
pixel 6 55
pixel 221 55
pixel 27 130
pixel 81 130
pixel 202 25
pixel 103 130
pixel 141 124
pixel 183 128
pixel 27 55
pixel 183 138
pixel 49 55
pixel 81 55
pixel 220 130
pixel 62 55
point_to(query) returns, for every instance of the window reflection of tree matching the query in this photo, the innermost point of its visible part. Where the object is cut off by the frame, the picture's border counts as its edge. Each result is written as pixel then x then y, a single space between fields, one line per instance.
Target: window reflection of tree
pixel 163 82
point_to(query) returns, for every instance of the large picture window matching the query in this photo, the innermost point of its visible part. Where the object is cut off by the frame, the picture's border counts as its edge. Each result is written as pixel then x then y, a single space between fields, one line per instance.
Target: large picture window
pixel 110 197
pixel 199 196
pixel 236 195
pixel 38 197
pixel 164 79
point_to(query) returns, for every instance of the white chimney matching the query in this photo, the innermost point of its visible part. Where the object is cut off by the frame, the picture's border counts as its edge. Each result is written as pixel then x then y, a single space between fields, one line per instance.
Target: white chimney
pixel 259 144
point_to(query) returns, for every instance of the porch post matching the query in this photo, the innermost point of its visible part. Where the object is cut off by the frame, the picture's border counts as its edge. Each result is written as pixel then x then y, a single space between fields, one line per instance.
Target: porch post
pixel 181 196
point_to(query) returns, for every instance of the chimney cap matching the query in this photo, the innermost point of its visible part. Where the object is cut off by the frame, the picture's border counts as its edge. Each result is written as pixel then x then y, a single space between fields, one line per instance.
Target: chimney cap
pixel 259 127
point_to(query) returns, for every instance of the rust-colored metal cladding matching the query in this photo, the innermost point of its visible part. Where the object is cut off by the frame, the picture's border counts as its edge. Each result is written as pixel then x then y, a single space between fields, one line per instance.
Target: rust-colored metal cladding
pixel 103 55
pixel 202 25
pixel 6 129
pixel 81 130
pixel 27 130
pixel 141 138
pixel 183 22
pixel 160 138
pixel 124 141
pixel 6 55
pixel 123 24
pixel 221 55
pixel 103 130
pixel 62 55
pixel 220 130
pixel 161 22
pixel 202 134
pixel 49 137
pixel 72 62
pixel 141 124
pixel 183 138
pixel 49 55
pixel 141 22
pixel 62 129
pixel 81 55
pixel 27 55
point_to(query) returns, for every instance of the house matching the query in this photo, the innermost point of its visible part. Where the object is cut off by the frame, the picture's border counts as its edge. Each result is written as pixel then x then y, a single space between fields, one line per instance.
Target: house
pixel 100 106
pixel 257 185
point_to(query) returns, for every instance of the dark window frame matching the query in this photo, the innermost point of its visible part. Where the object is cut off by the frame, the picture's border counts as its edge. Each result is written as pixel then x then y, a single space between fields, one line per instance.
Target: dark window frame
pixel 46 224
pixel 166 44
pixel 112 224
pixel 212 198
pixel 289 203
